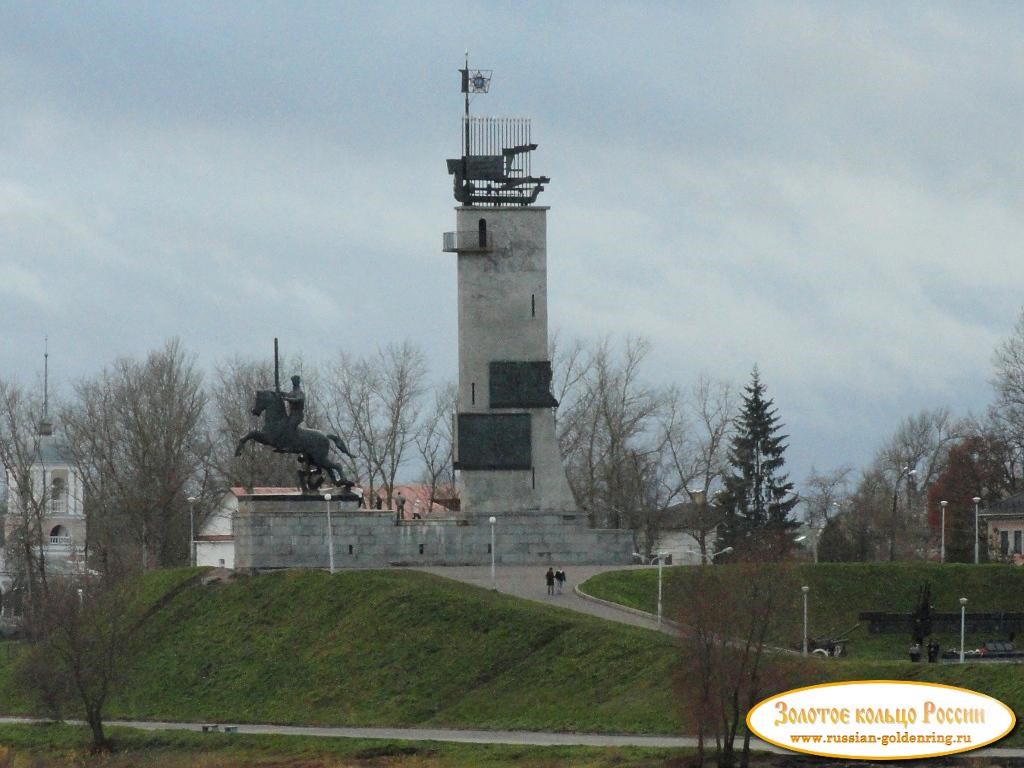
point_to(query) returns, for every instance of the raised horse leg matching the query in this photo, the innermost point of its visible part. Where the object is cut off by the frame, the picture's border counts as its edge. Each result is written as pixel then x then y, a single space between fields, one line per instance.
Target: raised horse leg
pixel 253 434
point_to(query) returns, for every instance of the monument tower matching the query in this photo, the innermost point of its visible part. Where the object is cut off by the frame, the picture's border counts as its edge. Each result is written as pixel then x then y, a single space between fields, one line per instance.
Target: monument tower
pixel 506 446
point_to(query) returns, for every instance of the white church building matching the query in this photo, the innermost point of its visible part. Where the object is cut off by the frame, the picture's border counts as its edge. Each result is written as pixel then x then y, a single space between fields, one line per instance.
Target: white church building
pixel 57 487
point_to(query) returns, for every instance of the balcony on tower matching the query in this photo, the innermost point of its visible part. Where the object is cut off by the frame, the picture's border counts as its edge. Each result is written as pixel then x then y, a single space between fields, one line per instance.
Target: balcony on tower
pixel 469 241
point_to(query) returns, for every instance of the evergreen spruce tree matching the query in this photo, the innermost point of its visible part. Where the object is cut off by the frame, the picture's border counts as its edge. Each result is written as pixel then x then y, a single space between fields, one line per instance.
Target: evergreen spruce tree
pixel 758 497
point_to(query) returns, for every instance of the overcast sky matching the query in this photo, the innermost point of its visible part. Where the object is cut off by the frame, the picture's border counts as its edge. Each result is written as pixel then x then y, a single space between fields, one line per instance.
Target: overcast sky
pixel 831 191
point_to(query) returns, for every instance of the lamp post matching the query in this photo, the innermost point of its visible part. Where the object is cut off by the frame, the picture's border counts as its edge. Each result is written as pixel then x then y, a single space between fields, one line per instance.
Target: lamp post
pixel 494 583
pixel 942 539
pixel 905 472
pixel 963 618
pixel 192 531
pixel 661 559
pixel 805 589
pixel 330 534
pixel 976 500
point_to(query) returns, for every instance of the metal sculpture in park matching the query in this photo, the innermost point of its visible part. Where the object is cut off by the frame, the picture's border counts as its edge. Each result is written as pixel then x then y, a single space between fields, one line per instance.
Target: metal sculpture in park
pixel 282 414
pixel 494 169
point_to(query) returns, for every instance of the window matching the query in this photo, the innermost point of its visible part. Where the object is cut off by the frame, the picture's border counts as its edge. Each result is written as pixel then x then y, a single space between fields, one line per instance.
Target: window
pixel 1004 542
pixel 1017 542
pixel 59 536
pixel 421 549
pixel 58 493
pixel 482 233
pixel 220 562
pixel 350 549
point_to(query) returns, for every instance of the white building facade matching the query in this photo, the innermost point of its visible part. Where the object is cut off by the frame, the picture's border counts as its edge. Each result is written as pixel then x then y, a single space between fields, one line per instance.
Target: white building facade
pixel 57 494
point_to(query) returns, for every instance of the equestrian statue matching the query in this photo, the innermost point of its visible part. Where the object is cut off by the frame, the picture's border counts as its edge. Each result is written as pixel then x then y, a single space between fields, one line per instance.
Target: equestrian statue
pixel 282 414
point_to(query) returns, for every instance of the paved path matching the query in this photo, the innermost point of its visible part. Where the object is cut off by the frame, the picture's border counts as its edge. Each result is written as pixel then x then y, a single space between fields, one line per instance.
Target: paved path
pixel 528 582
pixel 526 738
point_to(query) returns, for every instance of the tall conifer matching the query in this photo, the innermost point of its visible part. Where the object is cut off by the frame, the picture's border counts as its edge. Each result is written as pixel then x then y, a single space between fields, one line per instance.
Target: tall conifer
pixel 758 496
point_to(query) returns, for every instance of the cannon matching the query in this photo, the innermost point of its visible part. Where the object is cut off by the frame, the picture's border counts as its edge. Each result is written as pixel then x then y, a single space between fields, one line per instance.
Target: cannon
pixel 831 645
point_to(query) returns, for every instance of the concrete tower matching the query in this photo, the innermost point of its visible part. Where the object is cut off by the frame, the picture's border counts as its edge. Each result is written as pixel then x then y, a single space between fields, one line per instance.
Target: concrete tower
pixel 506 447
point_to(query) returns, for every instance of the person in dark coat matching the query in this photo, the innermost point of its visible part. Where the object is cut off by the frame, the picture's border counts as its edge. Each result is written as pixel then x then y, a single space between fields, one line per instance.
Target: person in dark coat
pixel 560 579
pixel 550 578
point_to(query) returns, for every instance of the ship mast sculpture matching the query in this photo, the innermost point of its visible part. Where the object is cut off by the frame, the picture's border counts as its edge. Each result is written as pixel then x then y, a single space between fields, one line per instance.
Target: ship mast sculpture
pixel 495 165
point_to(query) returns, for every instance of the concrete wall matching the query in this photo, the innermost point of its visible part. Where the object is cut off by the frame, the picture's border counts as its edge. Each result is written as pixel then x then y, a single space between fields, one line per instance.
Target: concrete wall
pixel 292 533
pixel 503 316
pixel 217 554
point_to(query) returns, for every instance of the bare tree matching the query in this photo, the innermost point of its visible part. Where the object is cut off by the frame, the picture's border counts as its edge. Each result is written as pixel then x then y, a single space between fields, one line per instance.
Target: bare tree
pixel 138 434
pixel 435 442
pixel 78 644
pixel 1006 415
pixel 911 459
pixel 375 403
pixel 698 427
pixel 825 493
pixel 733 613
pixel 608 422
pixel 1008 381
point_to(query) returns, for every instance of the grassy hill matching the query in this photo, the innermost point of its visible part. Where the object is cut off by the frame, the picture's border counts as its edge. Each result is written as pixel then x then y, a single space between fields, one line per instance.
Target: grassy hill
pixel 384 648
pixel 840 591
pixel 408 648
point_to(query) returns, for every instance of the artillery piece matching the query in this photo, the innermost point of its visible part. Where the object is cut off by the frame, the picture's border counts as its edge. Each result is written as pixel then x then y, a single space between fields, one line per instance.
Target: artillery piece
pixel 831 645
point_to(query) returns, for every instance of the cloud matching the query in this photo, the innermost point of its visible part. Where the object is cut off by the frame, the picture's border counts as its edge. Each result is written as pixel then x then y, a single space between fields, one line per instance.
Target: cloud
pixel 832 191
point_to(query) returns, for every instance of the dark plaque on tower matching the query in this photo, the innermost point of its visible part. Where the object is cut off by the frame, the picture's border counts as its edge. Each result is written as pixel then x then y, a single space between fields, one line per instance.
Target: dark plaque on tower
pixel 492 441
pixel 515 384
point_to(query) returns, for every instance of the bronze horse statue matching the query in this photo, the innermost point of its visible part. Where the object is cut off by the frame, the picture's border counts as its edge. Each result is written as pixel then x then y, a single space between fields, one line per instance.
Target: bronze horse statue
pixel 312 446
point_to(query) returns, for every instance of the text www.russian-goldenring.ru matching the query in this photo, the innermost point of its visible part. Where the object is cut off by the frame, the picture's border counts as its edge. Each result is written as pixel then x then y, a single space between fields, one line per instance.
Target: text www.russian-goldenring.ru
pixel 884 740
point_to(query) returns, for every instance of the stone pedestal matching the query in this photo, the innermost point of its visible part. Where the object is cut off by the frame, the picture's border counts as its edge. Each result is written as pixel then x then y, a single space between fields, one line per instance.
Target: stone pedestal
pixel 291 532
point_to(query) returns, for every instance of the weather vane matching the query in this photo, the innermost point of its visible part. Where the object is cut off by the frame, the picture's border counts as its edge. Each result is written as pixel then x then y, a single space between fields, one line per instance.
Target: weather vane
pixel 495 165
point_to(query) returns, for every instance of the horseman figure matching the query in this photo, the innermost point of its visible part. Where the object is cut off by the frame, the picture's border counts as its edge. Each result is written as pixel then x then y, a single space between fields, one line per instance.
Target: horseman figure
pixel 283 432
pixel 296 400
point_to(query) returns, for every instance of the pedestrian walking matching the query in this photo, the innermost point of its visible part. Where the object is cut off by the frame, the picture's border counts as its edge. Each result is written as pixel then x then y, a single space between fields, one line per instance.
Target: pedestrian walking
pixel 560 579
pixel 550 578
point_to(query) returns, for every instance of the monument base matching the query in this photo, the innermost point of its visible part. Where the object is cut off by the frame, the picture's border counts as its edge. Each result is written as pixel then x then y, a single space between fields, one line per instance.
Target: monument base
pixel 291 532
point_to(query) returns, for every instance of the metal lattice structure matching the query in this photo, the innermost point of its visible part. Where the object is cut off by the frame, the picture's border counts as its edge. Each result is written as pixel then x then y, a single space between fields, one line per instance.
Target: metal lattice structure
pixel 494 169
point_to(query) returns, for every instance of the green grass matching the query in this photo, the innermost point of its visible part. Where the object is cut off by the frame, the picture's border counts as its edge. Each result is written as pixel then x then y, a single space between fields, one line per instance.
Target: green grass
pixel 47 746
pixel 406 648
pixel 838 593
pixel 386 648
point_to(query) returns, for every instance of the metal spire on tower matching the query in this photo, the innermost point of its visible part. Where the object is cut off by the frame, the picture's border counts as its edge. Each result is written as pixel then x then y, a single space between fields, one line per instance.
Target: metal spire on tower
pixel 45 425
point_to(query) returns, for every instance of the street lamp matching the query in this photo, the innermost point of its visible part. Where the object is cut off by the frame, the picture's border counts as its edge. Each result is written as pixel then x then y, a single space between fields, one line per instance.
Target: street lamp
pixel 492 520
pixel 805 589
pixel 942 545
pixel 192 531
pixel 963 616
pixel 661 559
pixel 905 472
pixel 330 534
pixel 976 499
